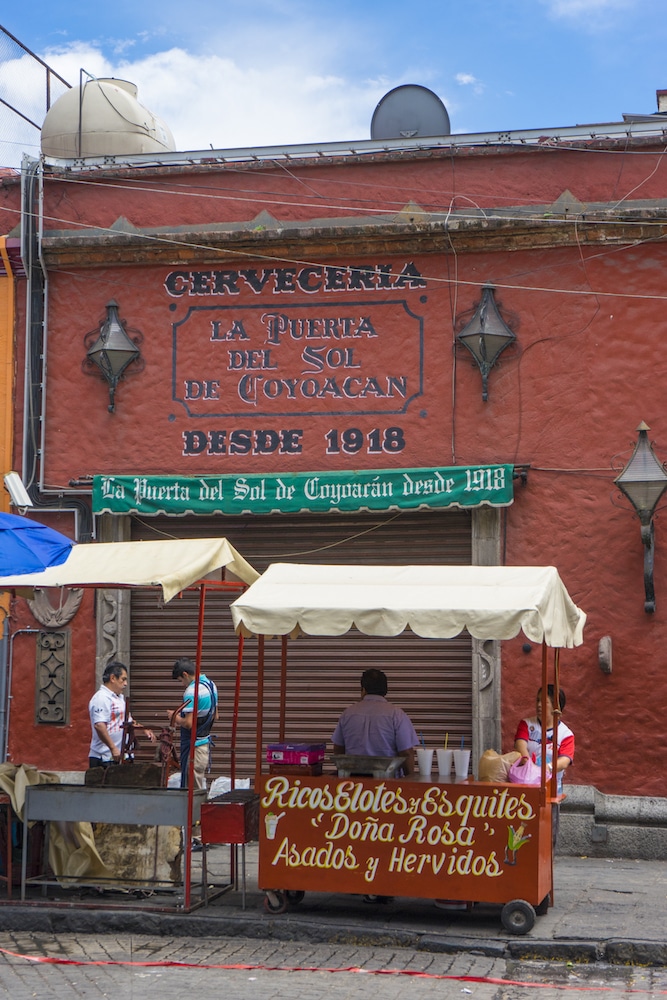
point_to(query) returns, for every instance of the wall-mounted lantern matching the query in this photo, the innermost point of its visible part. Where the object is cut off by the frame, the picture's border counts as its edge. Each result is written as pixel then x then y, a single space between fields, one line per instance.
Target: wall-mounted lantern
pixel 486 336
pixel 643 481
pixel 112 350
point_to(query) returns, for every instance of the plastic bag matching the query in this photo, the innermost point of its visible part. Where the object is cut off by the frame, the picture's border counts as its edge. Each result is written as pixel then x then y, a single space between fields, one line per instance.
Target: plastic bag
pixel 526 772
pixel 494 766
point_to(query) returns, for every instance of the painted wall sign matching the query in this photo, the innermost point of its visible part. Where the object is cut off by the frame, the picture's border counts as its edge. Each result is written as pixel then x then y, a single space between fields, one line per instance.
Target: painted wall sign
pixel 318 341
pixel 253 369
pixel 296 360
pixel 384 489
pixel 459 841
pixel 310 278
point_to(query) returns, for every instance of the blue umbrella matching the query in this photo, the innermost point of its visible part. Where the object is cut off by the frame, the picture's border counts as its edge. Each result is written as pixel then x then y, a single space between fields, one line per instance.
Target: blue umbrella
pixel 29 547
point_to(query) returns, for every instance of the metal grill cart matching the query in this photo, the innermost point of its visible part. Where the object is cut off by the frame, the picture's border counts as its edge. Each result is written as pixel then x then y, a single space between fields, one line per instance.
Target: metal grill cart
pixel 424 837
pixel 173 566
pixel 150 807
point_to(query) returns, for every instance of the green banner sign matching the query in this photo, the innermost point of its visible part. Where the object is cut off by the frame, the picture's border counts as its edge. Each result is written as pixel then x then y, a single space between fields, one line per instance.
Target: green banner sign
pixel 377 489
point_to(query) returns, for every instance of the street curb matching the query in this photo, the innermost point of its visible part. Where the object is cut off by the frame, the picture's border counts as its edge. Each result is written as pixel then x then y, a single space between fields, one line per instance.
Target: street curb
pixel 40 919
pixel 578 952
pixel 635 953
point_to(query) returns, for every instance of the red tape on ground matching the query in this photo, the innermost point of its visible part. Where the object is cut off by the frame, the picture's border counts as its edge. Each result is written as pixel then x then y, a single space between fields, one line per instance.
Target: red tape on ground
pixel 51 960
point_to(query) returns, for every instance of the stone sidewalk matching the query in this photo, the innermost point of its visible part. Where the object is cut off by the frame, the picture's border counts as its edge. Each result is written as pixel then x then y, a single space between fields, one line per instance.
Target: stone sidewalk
pixel 605 910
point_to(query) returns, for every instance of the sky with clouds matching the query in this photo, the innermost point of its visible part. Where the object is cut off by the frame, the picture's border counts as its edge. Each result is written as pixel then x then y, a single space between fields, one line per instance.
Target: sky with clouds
pixel 227 73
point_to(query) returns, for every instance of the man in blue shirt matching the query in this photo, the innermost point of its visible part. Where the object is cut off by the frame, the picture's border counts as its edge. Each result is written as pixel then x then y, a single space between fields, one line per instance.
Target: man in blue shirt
pixel 207 712
pixel 375 727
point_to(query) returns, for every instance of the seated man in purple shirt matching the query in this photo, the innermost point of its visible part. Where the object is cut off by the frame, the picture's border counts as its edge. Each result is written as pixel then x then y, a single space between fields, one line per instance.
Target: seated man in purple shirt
pixel 374 727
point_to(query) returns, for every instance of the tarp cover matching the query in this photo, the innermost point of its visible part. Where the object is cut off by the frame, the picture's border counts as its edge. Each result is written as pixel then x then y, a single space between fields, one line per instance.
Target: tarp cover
pixel 72 850
pixel 436 602
pixel 172 564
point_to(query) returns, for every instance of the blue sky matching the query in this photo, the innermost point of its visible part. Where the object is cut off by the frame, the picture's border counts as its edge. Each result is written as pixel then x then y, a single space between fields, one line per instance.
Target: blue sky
pixel 227 73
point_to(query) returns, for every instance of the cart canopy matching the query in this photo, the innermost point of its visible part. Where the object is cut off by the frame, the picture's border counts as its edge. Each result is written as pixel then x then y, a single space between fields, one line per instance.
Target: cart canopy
pixel 436 602
pixel 172 564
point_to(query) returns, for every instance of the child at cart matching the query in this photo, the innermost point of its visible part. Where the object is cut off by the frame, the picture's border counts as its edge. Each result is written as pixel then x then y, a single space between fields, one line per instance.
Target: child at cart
pixel 528 742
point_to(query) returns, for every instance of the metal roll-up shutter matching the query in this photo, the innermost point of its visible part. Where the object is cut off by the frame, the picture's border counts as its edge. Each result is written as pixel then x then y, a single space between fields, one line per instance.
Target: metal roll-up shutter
pixel 430 679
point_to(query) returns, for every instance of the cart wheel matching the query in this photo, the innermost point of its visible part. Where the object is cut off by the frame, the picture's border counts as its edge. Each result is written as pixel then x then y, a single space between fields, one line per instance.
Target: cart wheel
pixel 275 901
pixel 295 895
pixel 517 916
pixel 542 907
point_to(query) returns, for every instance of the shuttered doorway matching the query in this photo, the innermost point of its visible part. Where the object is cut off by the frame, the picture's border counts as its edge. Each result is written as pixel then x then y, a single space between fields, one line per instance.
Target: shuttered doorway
pixel 429 678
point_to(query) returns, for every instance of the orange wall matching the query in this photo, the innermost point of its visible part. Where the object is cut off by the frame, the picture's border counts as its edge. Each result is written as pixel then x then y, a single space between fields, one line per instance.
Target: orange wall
pixel 52 747
pixel 587 368
pixel 366 188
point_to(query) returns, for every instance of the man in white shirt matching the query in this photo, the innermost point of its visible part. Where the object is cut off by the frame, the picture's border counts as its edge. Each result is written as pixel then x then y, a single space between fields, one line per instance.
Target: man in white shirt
pixel 107 710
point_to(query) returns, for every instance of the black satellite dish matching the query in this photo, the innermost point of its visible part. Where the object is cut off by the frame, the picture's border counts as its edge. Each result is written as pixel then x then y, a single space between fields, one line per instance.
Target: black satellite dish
pixel 407 111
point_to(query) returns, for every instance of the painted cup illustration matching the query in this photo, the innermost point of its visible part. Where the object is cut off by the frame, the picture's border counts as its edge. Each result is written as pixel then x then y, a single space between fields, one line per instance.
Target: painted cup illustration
pixel 425 760
pixel 271 824
pixel 444 763
pixel 461 763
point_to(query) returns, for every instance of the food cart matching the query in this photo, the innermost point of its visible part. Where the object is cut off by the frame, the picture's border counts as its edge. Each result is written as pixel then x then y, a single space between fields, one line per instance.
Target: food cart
pixel 428 837
pixel 172 566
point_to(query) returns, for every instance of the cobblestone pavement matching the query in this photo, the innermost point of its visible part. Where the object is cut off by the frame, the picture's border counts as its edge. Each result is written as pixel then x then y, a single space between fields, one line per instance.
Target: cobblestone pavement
pixel 113 965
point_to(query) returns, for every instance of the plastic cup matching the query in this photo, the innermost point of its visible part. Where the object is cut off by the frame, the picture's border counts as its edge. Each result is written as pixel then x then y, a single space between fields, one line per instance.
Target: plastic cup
pixel 444 762
pixel 461 763
pixel 425 760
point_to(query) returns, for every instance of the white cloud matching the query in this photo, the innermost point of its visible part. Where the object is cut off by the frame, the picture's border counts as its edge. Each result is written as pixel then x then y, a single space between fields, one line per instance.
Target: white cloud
pixel 468 80
pixel 23 88
pixel 273 78
pixel 578 9
pixel 214 101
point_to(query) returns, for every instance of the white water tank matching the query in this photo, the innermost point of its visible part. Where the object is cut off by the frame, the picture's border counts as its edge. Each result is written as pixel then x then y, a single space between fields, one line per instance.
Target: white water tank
pixel 106 119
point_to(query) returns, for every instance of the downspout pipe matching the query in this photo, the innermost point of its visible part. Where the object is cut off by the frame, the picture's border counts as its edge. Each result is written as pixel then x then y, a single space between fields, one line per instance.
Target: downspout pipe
pixel 34 411
pixel 4 688
pixel 8 685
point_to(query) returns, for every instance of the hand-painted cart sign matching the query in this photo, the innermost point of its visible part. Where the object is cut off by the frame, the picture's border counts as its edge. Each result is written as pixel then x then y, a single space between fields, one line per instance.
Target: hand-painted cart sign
pixel 471 841
pixel 378 489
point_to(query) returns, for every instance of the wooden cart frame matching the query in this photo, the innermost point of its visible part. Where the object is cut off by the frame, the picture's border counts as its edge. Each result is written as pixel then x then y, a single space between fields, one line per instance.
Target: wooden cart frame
pixel 173 566
pixel 427 836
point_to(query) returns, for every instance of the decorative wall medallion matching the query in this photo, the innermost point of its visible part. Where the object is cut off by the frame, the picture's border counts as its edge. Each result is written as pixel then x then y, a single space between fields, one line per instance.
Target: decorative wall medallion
pixel 50 617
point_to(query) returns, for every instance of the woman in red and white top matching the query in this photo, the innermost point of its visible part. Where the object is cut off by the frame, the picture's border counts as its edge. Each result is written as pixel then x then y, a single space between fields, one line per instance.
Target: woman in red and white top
pixel 528 738
pixel 528 742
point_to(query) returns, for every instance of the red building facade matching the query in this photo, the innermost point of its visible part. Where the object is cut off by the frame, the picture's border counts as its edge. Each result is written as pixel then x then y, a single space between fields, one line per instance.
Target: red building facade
pixel 296 320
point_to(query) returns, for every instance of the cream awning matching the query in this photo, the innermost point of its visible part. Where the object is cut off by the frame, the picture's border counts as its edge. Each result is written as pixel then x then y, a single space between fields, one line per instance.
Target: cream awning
pixel 172 564
pixel 436 602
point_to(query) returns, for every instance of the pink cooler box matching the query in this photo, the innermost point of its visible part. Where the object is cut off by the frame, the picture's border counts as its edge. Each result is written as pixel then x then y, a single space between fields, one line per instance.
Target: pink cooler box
pixel 295 753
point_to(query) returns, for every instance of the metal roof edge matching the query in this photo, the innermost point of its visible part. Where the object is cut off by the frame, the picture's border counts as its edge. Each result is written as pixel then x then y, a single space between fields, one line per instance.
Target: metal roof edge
pixel 651 126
